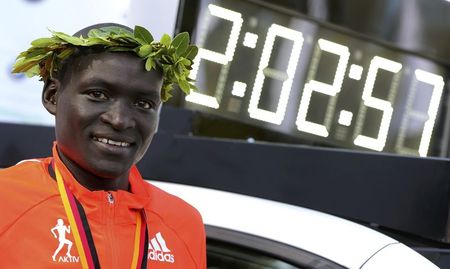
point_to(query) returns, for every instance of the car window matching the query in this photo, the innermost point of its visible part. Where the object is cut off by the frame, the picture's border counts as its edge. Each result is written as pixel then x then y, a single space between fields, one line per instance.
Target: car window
pixel 230 249
pixel 223 255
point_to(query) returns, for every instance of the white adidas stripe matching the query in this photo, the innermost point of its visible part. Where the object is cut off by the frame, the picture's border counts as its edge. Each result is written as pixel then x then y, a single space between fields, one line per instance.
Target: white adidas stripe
pixel 162 242
pixel 158 243
pixel 28 160
pixel 155 245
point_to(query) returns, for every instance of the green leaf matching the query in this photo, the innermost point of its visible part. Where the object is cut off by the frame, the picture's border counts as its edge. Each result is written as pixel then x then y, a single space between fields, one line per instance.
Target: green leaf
pixel 165 92
pixel 149 64
pixel 168 95
pixel 69 39
pixel 92 41
pixel 48 63
pixel 180 42
pixel 180 68
pixel 23 54
pixel 191 52
pixel 155 54
pixel 20 67
pixel 143 34
pixel 53 65
pixel 184 85
pixel 34 71
pixel 33 52
pixel 34 60
pixel 43 42
pixel 177 76
pixel 66 53
pixel 97 33
pixel 166 59
pixel 185 61
pixel 165 40
pixel 120 49
pixel 144 50
pixel 116 30
pixel 125 39
pixel 193 87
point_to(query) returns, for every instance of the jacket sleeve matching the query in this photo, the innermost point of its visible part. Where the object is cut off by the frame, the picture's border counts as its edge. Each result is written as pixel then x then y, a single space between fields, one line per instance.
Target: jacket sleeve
pixel 202 253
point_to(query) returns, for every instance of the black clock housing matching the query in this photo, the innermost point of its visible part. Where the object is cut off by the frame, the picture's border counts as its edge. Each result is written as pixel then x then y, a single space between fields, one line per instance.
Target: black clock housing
pixel 312 82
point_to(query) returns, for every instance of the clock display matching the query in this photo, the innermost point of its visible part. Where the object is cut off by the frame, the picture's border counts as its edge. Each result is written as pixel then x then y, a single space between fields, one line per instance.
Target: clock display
pixel 291 74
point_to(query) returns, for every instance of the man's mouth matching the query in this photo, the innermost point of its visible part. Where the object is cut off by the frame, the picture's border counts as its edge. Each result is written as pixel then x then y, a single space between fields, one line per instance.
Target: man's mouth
pixel 111 142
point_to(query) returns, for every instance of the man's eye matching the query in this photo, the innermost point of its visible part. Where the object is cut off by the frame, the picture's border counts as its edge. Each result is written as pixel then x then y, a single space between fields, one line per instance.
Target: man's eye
pixel 98 95
pixel 143 104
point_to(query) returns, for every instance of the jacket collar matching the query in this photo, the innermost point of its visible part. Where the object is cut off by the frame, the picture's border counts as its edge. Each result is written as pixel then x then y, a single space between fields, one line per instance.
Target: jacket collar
pixel 138 198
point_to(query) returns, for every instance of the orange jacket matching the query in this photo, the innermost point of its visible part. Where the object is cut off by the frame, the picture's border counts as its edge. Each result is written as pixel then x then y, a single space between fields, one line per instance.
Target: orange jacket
pixel 35 232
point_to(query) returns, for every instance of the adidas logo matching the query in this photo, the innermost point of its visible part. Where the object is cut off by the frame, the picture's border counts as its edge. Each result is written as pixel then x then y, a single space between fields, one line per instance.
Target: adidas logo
pixel 158 250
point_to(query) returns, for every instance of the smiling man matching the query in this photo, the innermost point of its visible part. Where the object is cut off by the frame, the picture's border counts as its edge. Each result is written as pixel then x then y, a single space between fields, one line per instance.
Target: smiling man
pixel 105 87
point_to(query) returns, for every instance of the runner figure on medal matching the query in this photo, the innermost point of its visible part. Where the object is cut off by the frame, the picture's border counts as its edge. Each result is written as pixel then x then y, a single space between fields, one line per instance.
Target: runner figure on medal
pixel 62 229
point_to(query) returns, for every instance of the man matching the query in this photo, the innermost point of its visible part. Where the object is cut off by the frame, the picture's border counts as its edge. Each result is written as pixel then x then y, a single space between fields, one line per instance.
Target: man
pixel 105 86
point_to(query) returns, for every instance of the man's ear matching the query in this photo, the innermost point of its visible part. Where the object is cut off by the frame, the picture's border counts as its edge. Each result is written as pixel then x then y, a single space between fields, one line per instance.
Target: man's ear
pixel 50 94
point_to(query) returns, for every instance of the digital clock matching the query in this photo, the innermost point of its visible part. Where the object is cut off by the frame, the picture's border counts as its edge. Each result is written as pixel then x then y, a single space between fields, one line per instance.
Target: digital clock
pixel 289 73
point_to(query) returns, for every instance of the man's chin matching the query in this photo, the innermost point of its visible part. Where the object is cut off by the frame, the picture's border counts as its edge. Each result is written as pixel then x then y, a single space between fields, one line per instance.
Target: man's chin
pixel 105 168
pixel 110 173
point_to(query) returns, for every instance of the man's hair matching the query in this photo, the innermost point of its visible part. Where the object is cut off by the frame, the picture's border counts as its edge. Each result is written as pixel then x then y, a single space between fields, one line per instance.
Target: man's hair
pixel 50 57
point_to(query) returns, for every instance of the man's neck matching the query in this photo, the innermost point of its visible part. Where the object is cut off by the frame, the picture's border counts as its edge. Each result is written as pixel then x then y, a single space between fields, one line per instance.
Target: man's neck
pixel 92 182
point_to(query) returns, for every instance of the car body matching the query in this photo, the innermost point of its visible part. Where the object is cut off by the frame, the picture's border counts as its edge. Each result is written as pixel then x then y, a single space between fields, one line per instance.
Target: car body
pixel 250 232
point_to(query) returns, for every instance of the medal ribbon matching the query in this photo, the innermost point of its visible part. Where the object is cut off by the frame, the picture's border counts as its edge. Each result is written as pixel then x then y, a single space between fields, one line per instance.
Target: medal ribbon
pixel 83 237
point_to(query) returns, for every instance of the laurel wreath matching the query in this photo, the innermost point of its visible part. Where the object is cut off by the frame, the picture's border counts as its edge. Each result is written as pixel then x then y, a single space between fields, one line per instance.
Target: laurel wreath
pixel 175 56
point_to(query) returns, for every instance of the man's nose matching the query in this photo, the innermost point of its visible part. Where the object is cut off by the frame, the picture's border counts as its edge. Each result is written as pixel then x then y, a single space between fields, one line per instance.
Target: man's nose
pixel 119 116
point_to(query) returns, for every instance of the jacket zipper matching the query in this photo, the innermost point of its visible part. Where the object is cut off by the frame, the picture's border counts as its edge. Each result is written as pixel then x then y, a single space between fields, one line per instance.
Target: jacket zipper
pixel 110 198
pixel 110 227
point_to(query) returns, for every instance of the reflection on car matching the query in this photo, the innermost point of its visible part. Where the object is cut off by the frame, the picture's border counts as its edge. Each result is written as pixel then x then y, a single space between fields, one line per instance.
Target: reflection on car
pixel 246 232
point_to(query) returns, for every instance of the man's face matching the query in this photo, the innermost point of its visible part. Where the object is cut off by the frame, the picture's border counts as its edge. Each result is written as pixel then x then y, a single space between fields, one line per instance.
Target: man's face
pixel 107 111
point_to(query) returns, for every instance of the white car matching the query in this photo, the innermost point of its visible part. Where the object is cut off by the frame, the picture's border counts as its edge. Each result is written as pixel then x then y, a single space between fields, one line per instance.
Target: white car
pixel 248 232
